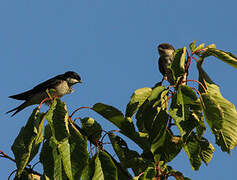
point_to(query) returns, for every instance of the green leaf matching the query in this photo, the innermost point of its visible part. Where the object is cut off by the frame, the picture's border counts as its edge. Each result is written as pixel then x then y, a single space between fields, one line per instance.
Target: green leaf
pixel 201 46
pixel 125 124
pixel 91 127
pixel 125 155
pixel 64 151
pixel 104 167
pixel 192 149
pixel 220 114
pixel 57 117
pixel 226 57
pixel 149 173
pixel 27 143
pixel 198 150
pixel 176 174
pixel 137 99
pixel 181 112
pixel 78 152
pixel 171 148
pixel 211 46
pixel 178 65
pixel 192 103
pixel 148 111
pixel 162 145
pixel 207 150
pixel 158 131
pixel 110 113
pixel 192 45
pixel 51 160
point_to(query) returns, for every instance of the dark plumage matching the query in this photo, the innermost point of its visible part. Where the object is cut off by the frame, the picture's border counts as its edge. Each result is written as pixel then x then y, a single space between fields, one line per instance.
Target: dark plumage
pixel 166 52
pixel 62 84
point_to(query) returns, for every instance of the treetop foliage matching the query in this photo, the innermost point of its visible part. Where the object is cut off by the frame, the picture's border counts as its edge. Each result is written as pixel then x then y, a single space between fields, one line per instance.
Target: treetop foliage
pixel 152 114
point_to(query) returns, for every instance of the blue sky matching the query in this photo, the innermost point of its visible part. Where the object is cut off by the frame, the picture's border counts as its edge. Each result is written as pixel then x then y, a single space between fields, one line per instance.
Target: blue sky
pixel 112 45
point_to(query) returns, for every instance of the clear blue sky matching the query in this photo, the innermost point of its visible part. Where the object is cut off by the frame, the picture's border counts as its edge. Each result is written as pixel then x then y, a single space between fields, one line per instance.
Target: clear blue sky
pixel 112 45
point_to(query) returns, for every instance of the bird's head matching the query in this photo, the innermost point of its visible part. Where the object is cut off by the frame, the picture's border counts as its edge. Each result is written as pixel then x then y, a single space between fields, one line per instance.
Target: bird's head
pixel 165 49
pixel 72 77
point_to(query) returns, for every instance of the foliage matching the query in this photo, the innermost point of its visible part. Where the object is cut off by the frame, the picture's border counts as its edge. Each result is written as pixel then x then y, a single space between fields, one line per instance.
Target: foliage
pixel 150 118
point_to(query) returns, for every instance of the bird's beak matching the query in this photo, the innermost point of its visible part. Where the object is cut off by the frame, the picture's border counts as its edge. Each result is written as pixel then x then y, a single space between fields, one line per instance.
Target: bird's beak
pixel 80 81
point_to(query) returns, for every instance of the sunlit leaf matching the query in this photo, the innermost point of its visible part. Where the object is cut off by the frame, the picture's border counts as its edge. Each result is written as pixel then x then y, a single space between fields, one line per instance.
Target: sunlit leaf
pixel 226 57
pixel 220 114
pixel 78 152
pixel 57 117
pixel 192 45
pixel 137 99
pixel 64 150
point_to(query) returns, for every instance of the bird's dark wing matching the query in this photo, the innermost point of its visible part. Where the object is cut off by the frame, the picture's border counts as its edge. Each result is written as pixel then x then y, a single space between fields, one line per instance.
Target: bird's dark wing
pixel 22 96
pixel 49 84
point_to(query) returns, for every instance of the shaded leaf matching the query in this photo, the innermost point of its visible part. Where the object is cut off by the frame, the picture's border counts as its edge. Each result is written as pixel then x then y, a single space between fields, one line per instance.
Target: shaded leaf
pixel 207 150
pixel 124 123
pixel 148 111
pixel 149 173
pixel 110 113
pixel 178 65
pixel 27 143
pixel 126 156
pixel 192 149
pixel 198 150
pixel 158 133
pixel 170 148
pixel 177 174
pixel 91 127
pixel 104 167
pixel 181 113
pixel 51 160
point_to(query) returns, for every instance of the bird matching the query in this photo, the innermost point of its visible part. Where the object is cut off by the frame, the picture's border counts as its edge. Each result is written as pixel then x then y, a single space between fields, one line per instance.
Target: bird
pixel 166 52
pixel 62 85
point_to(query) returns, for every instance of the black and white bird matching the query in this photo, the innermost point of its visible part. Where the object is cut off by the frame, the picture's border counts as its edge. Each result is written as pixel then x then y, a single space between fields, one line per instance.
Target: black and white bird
pixel 166 52
pixel 62 85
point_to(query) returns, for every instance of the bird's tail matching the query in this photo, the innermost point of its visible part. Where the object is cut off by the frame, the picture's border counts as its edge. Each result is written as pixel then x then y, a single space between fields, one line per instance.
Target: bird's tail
pixel 18 109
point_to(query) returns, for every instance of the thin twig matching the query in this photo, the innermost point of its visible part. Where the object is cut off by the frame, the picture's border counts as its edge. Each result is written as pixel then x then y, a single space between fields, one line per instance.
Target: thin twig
pixel 4 155
pixel 79 109
pixel 198 83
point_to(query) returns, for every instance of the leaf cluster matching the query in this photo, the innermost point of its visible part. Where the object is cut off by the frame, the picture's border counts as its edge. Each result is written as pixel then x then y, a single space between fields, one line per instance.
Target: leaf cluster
pixel 152 116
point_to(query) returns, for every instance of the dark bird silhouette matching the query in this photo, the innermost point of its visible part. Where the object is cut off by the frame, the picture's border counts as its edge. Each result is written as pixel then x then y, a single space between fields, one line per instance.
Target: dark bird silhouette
pixel 62 84
pixel 166 52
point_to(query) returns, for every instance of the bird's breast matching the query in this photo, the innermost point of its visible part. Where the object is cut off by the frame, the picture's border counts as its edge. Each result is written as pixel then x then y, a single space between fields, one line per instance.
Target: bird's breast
pixel 62 89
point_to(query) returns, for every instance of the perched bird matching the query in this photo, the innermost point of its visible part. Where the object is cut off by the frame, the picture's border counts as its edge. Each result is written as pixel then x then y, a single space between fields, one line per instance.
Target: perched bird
pixel 62 84
pixel 166 52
